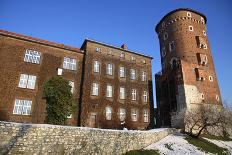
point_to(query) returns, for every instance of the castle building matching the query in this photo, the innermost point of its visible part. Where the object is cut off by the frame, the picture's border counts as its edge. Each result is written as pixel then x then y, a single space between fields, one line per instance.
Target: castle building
pixel 112 86
pixel 188 76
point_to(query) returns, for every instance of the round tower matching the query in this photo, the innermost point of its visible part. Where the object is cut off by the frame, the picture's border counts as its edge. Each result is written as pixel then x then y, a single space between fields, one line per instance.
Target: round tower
pixel 188 76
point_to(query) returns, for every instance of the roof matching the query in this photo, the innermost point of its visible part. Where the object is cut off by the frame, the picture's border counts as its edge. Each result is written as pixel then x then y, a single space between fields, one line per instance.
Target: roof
pixel 180 9
pixel 40 41
pixel 112 46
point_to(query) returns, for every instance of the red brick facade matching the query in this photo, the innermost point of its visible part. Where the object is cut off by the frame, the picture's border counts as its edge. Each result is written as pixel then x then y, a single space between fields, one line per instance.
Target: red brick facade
pixel 12 61
pixel 188 76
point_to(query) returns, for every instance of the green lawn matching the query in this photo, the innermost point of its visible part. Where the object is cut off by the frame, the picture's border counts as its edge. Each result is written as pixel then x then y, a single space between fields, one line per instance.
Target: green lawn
pixel 216 137
pixel 142 152
pixel 206 146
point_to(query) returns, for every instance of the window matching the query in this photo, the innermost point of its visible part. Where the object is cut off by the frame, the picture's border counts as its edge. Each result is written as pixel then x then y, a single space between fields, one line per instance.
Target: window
pixel 134 94
pixel 165 36
pixel 109 70
pixel 122 95
pixel 144 76
pixel 163 52
pixel 202 58
pixel 132 58
pixel 163 24
pixel 109 52
pixel 210 78
pixel 199 74
pixel 122 55
pixel 109 91
pixel 32 56
pixel 201 42
pixel 217 98
pixel 202 20
pixel 171 46
pixel 122 114
pixel 121 72
pixel 27 81
pixel 96 66
pixel 145 115
pixel 190 28
pixel 95 89
pixel 70 116
pixel 204 33
pixel 134 114
pixel 202 96
pixel 22 107
pixel 145 98
pixel 71 83
pixel 69 63
pixel 98 49
pixel 133 74
pixel 189 14
pixel 143 61
pixel 108 113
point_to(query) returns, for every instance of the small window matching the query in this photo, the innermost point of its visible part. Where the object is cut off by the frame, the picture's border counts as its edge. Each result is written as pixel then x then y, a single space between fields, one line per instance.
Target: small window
pixel 71 83
pixel 122 72
pixel 143 61
pixel 199 74
pixel 134 115
pixel 109 70
pixel 122 55
pixel 134 94
pixel 217 98
pixel 202 20
pixel 122 95
pixel 69 63
pixel 165 36
pixel 204 33
pixel 145 98
pixel 32 56
pixel 98 49
pixel 143 76
pixel 210 78
pixel 190 28
pixel 96 66
pixel 171 46
pixel 163 52
pixel 95 89
pixel 109 52
pixel 108 113
pixel 202 96
pixel 70 116
pixel 145 115
pixel 189 14
pixel 132 58
pixel 163 24
pixel 109 91
pixel 122 114
pixel 132 74
pixel 22 107
pixel 27 81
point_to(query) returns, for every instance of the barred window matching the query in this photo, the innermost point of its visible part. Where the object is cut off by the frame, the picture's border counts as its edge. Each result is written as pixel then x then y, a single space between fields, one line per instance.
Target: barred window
pixel 27 81
pixel 32 56
pixel 69 63
pixel 22 107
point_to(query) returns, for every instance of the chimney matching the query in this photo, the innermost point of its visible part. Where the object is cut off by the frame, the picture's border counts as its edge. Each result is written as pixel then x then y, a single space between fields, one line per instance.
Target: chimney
pixel 123 46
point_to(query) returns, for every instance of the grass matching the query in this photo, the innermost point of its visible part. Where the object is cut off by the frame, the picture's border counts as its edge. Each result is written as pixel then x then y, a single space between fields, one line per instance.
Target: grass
pixel 169 146
pixel 206 146
pixel 216 137
pixel 142 152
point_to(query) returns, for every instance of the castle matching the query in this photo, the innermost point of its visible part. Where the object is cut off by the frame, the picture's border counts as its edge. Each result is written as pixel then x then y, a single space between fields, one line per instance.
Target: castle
pixel 112 86
pixel 188 76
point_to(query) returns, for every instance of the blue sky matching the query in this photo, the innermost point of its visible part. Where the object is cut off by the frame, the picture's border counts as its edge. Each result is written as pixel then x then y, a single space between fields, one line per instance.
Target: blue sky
pixel 115 22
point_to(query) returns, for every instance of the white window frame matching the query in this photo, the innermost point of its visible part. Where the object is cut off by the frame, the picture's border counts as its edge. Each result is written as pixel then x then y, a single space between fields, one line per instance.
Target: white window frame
pixel 191 28
pixel 96 66
pixel 71 83
pixel 22 107
pixel 217 98
pixel 202 96
pixel 202 20
pixel 27 81
pixel 145 96
pixel 189 14
pixel 122 72
pixel 109 69
pixel 132 58
pixel 109 113
pixel 95 89
pixel 70 63
pixel 132 74
pixel 211 78
pixel 144 76
pixel 145 115
pixel 122 55
pixel 122 93
pixel 143 61
pixel 171 48
pixel 133 94
pixel 204 33
pixel 32 56
pixel 98 49
pixel 122 114
pixel 134 115
pixel 109 90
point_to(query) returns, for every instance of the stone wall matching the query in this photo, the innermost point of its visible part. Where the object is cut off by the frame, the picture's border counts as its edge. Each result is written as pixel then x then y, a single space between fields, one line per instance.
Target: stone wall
pixel 42 139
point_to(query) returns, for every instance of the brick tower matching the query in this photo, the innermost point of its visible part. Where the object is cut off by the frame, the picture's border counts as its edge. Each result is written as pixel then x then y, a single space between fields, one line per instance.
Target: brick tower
pixel 188 76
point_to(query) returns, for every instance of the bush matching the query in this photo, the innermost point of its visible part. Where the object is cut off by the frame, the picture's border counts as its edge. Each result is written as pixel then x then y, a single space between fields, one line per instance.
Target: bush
pixel 59 100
